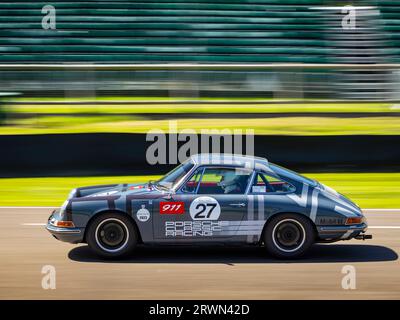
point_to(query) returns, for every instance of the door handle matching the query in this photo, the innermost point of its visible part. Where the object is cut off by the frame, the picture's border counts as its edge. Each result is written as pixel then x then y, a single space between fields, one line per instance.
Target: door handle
pixel 241 204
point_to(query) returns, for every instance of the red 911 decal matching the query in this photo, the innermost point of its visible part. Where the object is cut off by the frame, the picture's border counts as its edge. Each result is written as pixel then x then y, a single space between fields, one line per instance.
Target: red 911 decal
pixel 172 207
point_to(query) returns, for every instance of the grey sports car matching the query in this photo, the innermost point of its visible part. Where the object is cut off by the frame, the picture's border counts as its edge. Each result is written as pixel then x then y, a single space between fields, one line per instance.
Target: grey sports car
pixel 210 199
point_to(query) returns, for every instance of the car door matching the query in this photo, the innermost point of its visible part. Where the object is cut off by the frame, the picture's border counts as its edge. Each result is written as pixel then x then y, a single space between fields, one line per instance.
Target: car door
pixel 209 206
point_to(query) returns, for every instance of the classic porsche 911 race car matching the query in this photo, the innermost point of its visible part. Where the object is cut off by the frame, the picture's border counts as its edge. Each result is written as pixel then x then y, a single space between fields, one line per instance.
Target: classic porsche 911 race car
pixel 210 199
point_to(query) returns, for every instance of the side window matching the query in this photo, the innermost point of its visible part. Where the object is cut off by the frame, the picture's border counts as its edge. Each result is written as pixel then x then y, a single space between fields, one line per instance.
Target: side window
pixel 224 181
pixel 264 183
pixel 191 185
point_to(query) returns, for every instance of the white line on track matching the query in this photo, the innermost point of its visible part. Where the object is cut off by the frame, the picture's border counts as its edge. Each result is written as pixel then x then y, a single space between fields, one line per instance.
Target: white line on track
pixel 33 224
pixel 384 227
pixel 379 210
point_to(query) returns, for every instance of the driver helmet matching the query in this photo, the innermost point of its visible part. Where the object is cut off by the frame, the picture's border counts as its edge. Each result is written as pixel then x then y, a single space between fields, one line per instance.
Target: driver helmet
pixel 228 181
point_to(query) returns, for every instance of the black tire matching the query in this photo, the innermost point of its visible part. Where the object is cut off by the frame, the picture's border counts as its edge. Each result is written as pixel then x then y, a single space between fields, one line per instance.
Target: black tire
pixel 112 235
pixel 289 236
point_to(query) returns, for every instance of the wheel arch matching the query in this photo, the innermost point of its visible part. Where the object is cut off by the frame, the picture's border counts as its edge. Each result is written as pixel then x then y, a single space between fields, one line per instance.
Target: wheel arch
pixel 115 211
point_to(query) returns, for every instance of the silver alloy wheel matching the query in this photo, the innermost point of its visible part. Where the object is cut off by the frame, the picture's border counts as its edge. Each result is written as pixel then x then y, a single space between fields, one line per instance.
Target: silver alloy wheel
pixel 299 237
pixel 101 243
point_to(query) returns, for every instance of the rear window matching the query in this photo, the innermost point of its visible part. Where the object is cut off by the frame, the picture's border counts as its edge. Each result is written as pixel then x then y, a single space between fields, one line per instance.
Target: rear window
pixel 292 175
pixel 264 183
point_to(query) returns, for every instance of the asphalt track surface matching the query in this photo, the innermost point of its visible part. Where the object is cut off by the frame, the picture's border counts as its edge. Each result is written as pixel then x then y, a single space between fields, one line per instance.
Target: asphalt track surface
pixel 195 273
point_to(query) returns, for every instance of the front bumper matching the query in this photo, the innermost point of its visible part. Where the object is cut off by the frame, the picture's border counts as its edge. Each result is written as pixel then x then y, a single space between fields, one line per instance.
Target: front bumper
pixel 71 235
pixel 345 232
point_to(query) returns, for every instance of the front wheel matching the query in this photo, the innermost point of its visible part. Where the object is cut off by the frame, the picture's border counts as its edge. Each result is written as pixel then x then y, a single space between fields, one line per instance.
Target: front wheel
pixel 112 235
pixel 289 236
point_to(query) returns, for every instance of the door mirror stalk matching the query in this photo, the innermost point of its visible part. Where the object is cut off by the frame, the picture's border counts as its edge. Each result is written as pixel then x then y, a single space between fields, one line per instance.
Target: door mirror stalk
pixel 169 195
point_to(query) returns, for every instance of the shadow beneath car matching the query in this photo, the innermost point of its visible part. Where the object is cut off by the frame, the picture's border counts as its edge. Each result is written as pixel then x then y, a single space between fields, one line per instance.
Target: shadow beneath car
pixel 319 253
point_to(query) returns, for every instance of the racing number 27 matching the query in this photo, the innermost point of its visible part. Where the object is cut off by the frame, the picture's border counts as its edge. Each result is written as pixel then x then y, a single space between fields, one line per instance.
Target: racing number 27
pixel 203 213
pixel 205 208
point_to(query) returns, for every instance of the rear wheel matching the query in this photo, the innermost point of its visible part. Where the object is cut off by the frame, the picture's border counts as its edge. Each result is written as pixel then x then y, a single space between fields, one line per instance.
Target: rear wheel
pixel 289 236
pixel 112 235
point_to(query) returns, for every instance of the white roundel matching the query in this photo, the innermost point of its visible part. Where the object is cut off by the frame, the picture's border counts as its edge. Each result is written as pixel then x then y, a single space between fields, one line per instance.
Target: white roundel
pixel 205 208
pixel 143 214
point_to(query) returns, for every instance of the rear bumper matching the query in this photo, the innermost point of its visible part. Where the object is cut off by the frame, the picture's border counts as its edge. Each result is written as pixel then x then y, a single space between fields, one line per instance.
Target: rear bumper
pixel 341 232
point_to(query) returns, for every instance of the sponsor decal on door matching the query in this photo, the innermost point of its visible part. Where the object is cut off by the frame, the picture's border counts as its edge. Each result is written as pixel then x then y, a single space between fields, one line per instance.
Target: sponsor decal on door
pixel 172 207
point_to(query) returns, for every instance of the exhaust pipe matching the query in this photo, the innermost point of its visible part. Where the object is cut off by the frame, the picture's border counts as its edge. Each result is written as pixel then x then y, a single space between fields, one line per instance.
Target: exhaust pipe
pixel 363 237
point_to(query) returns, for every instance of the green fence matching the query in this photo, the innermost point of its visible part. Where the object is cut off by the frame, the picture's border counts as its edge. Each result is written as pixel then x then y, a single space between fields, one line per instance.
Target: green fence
pixel 202 31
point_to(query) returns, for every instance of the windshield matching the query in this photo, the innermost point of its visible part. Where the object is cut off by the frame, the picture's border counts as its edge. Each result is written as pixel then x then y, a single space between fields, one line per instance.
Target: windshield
pixel 174 176
pixel 292 175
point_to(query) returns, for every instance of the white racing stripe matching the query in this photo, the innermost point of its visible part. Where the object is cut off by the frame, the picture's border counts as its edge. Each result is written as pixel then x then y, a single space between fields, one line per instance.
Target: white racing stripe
pixel 240 233
pixel 300 200
pixel 260 207
pixel 250 216
pixel 314 205
pixel 242 228
pixel 344 211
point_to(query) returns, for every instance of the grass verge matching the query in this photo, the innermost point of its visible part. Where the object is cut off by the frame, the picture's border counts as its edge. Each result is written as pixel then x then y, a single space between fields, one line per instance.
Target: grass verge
pixel 238 106
pixel 369 190
pixel 304 126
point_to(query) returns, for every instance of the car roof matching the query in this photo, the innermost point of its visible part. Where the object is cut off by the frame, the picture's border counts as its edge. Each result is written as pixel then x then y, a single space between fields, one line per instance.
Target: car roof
pixel 229 159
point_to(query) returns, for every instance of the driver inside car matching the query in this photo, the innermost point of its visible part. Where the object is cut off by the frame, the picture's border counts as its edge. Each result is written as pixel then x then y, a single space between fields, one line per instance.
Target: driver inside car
pixel 229 181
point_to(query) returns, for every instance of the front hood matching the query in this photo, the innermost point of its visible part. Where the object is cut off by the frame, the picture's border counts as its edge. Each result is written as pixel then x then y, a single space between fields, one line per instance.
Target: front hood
pixel 113 190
